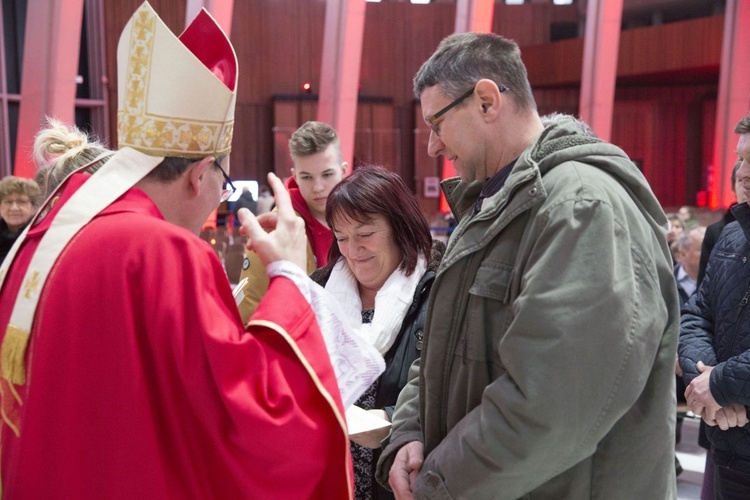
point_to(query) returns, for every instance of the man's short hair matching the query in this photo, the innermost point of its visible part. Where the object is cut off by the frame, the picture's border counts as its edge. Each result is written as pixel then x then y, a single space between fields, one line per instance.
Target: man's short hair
pixel 462 59
pixel 312 138
pixel 11 185
pixel 172 167
pixel 743 127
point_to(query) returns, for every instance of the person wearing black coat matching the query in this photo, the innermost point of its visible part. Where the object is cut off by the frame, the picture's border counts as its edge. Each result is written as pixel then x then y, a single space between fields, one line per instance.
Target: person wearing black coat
pixel 246 200
pixel 714 348
pixel 709 241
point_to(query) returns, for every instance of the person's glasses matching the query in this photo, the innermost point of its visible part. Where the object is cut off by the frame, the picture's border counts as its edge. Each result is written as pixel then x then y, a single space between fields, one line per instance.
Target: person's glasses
pixel 229 188
pixel 20 202
pixel 431 119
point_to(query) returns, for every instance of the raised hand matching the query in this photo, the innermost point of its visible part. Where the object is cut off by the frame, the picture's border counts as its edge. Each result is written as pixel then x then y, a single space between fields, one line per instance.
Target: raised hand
pixel 288 241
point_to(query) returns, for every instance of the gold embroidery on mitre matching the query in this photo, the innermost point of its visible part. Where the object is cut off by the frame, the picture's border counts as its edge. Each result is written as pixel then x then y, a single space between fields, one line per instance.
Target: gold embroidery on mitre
pixel 154 134
pixel 13 353
pixel 32 283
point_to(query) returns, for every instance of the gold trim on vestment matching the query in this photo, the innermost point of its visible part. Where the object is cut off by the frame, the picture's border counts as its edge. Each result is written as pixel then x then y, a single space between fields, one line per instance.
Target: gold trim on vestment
pixel 13 354
pixel 321 388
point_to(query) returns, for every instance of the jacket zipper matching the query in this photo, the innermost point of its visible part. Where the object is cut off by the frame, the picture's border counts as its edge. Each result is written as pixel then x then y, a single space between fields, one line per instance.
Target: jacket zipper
pixel 450 352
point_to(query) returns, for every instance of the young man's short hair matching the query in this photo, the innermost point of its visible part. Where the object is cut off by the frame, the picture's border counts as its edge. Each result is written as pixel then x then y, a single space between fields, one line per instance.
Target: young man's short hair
pixel 312 138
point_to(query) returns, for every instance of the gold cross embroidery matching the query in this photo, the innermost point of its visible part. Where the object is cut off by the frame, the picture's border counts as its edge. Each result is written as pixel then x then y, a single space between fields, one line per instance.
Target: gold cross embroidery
pixel 31 285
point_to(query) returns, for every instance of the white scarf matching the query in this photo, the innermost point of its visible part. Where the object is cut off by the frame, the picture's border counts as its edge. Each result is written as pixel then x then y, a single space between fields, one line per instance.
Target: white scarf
pixel 391 302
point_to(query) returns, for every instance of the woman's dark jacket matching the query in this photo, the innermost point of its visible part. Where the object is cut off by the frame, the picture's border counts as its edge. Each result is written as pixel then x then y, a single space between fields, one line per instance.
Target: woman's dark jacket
pixel 715 329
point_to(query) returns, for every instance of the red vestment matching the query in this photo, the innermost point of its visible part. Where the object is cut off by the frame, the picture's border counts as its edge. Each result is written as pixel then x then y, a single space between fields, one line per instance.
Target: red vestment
pixel 142 382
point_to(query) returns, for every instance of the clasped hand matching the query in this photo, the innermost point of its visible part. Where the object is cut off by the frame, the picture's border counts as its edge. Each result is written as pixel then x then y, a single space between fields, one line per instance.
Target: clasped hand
pixel 702 402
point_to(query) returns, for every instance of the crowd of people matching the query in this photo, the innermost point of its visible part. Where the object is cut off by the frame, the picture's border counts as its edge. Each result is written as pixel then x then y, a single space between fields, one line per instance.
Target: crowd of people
pixel 534 356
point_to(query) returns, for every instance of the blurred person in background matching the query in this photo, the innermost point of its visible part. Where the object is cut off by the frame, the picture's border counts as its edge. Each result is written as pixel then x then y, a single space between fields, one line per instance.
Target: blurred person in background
pixel 675 229
pixel 18 199
pixel 265 200
pixel 246 200
pixel 687 257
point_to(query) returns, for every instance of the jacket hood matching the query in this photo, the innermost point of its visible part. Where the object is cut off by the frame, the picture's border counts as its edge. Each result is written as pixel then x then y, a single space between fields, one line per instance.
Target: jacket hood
pixel 566 138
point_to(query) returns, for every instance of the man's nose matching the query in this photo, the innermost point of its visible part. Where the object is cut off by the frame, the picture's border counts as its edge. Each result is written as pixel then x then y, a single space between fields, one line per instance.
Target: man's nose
pixel 434 145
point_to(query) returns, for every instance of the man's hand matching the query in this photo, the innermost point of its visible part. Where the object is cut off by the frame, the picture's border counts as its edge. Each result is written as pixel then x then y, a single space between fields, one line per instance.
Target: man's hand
pixel 702 402
pixel 405 469
pixel 733 415
pixel 287 241
pixel 698 395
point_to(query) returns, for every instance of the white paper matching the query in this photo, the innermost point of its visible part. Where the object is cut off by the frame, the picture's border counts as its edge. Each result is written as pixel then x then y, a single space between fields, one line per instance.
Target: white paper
pixel 360 421
pixel 239 291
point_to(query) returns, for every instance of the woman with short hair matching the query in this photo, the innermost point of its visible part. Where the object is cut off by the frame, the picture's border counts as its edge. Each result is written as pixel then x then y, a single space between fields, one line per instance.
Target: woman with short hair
pixel 381 267
pixel 18 199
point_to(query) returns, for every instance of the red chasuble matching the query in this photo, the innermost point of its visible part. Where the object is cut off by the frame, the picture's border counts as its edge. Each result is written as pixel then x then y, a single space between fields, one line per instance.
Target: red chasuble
pixel 143 384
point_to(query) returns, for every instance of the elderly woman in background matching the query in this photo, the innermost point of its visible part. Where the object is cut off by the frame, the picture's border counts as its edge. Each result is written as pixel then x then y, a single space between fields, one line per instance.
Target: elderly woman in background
pixel 381 268
pixel 18 199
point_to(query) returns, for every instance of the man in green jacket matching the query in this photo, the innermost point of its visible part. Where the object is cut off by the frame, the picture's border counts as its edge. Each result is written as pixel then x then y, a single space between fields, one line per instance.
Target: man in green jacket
pixel 548 364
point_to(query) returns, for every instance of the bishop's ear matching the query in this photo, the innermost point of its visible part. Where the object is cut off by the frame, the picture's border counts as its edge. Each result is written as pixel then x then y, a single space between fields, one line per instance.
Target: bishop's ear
pixel 199 174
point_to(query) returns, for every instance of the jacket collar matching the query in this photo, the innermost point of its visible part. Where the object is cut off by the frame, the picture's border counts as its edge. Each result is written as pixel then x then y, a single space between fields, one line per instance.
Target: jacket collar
pixel 741 213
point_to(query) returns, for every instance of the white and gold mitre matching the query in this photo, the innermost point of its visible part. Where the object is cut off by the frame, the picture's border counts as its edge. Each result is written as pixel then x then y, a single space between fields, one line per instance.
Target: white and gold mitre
pixel 176 96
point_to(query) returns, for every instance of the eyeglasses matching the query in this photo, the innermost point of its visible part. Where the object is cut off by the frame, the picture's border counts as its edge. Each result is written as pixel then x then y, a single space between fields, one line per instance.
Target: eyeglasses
pixel 229 188
pixel 20 202
pixel 431 119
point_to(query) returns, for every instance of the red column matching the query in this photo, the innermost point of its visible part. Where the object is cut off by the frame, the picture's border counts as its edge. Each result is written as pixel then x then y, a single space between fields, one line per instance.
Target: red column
pixel 733 99
pixel 221 10
pixel 339 74
pixel 601 45
pixel 471 16
pixel 50 68
pixel 474 15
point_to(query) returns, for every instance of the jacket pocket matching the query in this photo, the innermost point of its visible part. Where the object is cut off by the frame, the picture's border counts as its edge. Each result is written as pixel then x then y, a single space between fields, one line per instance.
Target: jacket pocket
pixel 730 256
pixel 492 281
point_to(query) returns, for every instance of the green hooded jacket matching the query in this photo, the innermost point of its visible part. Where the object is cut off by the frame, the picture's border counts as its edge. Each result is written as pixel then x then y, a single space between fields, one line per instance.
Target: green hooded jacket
pixel 548 365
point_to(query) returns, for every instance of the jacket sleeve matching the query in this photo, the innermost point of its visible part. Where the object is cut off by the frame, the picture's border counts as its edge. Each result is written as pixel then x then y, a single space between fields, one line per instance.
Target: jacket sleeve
pixel 257 283
pixel 729 380
pixel 696 330
pixel 405 425
pixel 709 241
pixel 256 286
pixel 589 325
